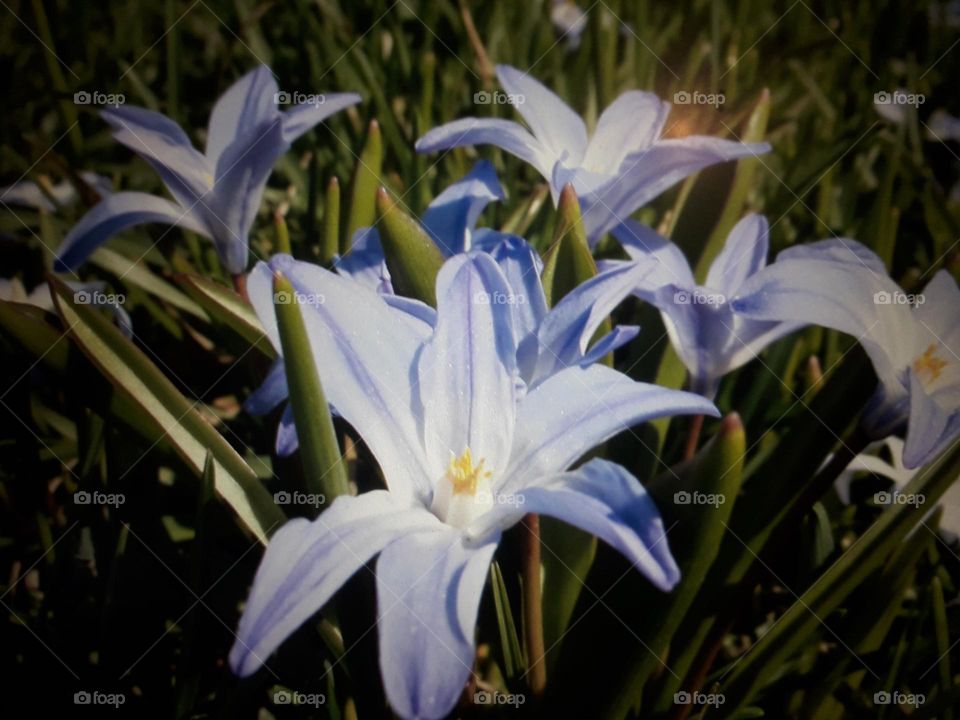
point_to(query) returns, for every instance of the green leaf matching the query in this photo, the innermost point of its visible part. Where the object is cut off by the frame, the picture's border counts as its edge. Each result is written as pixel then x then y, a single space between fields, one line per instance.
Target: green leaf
pixel 800 622
pixel 569 261
pixel 509 640
pixel 695 502
pixel 331 221
pixel 743 183
pixel 142 384
pixel 323 466
pixel 227 307
pixel 136 273
pixel 412 257
pixel 363 188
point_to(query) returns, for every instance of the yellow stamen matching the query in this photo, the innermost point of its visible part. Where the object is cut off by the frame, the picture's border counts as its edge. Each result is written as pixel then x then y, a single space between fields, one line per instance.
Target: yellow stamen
pixel 928 366
pixel 464 475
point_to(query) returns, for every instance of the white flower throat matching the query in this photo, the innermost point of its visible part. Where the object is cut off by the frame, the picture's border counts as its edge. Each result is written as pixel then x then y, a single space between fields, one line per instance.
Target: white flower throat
pixel 464 491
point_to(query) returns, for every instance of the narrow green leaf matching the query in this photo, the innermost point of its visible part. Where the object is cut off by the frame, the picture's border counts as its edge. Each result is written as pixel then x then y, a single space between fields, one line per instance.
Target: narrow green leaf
pixel 942 630
pixel 696 502
pixel 509 639
pixel 361 211
pixel 138 274
pixel 283 234
pixel 412 257
pixel 324 468
pixel 227 307
pixel 569 261
pixel 331 221
pixel 135 377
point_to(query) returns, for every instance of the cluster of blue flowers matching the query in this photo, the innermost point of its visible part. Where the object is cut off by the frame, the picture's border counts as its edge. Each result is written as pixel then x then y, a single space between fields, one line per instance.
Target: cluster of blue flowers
pixel 493 395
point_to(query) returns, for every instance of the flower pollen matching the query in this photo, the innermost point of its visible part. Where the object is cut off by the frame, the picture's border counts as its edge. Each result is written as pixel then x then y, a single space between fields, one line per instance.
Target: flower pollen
pixel 464 475
pixel 929 365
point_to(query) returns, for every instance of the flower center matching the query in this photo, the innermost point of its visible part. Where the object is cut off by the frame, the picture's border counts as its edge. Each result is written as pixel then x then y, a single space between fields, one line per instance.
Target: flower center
pixel 464 492
pixel 463 475
pixel 929 365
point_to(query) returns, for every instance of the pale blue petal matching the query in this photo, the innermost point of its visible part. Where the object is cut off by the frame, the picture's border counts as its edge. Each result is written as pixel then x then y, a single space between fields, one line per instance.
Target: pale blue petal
pixel 507 135
pixel 249 102
pixel 420 317
pixel 647 173
pixel 114 214
pixel 940 311
pixel 165 146
pixel 241 177
pixel 616 338
pixel 840 250
pixel 603 499
pixel 429 587
pixel 744 252
pixel 365 263
pixel 365 359
pixel 306 563
pixel 630 123
pixel 577 409
pixel 554 123
pixel 839 295
pixel 453 214
pixel 566 331
pixel 642 242
pixel 521 264
pixel 287 441
pixel 271 392
pixel 931 428
pixel 467 372
pixel 300 118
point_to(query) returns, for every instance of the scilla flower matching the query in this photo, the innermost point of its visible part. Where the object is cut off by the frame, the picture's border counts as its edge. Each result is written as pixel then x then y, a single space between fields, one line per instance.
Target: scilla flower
pixel 913 341
pixel 623 166
pixel 466 450
pixel 217 193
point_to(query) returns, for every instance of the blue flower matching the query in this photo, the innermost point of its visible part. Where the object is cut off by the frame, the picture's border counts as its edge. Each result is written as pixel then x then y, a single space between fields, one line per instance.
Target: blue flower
pixel 217 192
pixel 621 168
pixel 710 339
pixel 466 449
pixel 912 341
pixel 547 340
